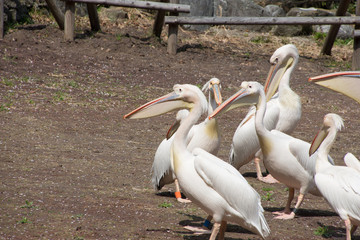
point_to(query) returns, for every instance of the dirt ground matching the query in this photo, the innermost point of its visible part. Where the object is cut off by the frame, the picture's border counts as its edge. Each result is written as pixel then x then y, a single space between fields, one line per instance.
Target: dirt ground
pixel 72 168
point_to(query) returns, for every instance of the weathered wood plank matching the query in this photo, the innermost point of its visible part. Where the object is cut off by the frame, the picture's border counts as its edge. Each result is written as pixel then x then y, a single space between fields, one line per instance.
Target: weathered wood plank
pixel 69 25
pixel 262 20
pixel 140 4
pixel 356 53
pixel 334 29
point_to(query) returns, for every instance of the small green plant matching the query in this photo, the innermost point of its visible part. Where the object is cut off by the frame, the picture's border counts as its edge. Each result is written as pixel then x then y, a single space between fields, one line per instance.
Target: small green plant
pixel 118 37
pixel 323 231
pixel 165 205
pixel 260 39
pixel 8 82
pixel 73 84
pixel 24 220
pixel 28 204
pixel 59 96
pixel 77 216
pixel 344 42
pixel 319 35
pixel 78 238
pixel 268 194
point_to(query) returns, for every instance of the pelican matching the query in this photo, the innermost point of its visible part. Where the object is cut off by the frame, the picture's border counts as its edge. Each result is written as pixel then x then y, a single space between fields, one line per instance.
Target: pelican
pixel 285 157
pixel 347 83
pixel 211 183
pixel 204 135
pixel 338 184
pixel 283 111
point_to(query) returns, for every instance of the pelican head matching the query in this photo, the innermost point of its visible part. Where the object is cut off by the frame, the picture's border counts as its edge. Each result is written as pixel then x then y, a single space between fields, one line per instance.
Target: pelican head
pixel 331 121
pixel 214 86
pixel 283 59
pixel 183 97
pixel 347 83
pixel 247 95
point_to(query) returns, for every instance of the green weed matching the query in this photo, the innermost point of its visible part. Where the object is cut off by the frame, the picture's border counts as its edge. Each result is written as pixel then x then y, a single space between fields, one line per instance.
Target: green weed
pixel 268 195
pixel 261 39
pixel 323 231
pixel 24 220
pixel 28 204
pixel 165 205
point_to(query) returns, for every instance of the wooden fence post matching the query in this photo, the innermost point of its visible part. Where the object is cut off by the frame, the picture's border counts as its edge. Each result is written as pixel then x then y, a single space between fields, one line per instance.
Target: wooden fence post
pixel 1 19
pixel 56 12
pixel 93 17
pixel 356 53
pixel 172 33
pixel 69 21
pixel 159 21
pixel 334 29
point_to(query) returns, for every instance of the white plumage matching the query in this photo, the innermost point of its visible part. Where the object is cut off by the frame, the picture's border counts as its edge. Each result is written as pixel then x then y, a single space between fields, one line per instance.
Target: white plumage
pixel 283 110
pixel 204 135
pixel 338 184
pixel 285 157
pixel 214 185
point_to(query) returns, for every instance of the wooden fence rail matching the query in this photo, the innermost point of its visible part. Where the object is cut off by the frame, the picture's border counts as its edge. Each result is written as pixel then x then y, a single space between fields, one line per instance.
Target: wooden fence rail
pixel 262 20
pixel 173 23
pixel 160 6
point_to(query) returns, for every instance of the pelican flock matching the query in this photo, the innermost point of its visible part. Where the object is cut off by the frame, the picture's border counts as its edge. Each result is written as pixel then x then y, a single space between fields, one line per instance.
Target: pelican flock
pixel 187 155
pixel 204 135
pixel 214 185
pixel 283 111
pixel 284 156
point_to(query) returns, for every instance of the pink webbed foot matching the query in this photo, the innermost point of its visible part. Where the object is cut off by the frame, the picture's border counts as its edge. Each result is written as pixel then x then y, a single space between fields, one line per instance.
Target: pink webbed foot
pixel 268 179
pixel 198 230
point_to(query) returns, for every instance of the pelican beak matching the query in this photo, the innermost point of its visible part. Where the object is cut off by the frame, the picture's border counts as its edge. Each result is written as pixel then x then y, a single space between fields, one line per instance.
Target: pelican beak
pixel 347 83
pixel 320 136
pixel 217 93
pixel 275 75
pixel 241 98
pixel 164 104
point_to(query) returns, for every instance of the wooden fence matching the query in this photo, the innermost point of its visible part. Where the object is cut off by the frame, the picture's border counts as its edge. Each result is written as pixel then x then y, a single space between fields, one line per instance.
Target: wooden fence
pixel 162 7
pixel 335 22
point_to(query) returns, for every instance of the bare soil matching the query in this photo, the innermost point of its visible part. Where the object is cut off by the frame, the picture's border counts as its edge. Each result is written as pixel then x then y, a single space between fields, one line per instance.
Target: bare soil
pixel 72 168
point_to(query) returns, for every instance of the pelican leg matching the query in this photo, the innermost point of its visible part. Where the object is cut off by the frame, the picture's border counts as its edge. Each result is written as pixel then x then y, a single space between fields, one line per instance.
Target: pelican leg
pixel 287 209
pixel 215 231
pixel 178 193
pixel 268 179
pixel 205 229
pixel 291 215
pixel 348 229
pixel 222 230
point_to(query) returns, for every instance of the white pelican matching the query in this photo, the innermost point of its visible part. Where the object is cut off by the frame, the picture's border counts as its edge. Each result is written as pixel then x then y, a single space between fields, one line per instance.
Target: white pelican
pixel 204 135
pixel 338 184
pixel 283 111
pixel 347 83
pixel 214 185
pixel 285 157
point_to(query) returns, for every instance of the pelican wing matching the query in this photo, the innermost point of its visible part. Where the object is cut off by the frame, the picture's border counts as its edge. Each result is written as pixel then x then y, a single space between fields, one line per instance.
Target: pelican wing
pixel 351 161
pixel 341 189
pixel 233 187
